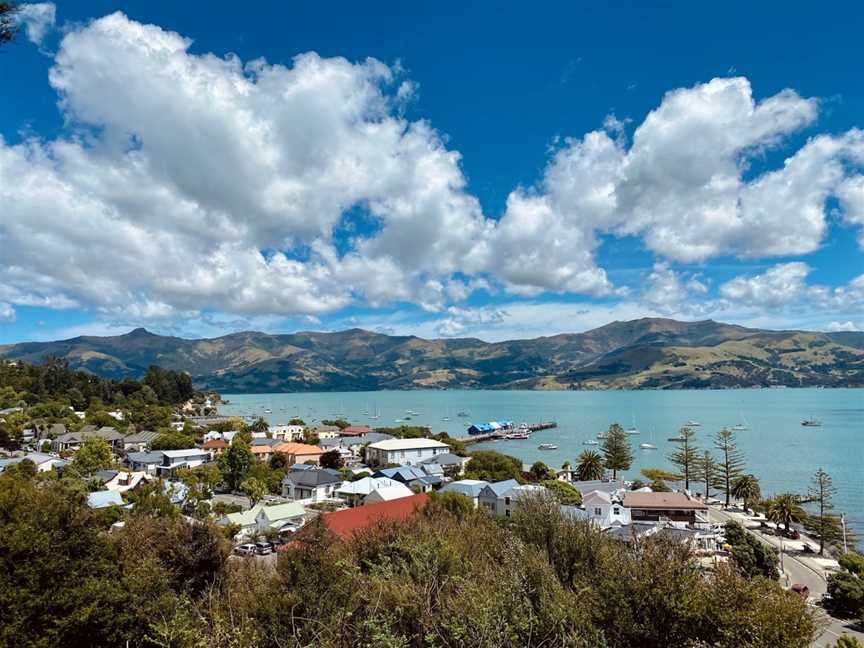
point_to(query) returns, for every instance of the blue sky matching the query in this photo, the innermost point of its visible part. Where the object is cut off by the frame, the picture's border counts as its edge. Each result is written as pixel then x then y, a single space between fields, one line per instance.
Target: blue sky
pixel 442 170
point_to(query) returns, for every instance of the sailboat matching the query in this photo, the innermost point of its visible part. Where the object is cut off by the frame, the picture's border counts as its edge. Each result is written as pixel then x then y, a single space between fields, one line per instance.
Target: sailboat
pixel 376 415
pixel 446 416
pixel 649 446
pixel 633 429
pixel 742 425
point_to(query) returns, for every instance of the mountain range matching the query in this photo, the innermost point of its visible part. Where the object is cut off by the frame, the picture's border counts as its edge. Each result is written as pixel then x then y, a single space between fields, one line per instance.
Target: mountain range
pixel 647 353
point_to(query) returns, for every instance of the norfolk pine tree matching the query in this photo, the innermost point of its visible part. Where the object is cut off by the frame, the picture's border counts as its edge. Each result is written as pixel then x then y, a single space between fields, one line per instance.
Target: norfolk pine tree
pixel 707 469
pixel 730 463
pixel 617 453
pixel 686 456
pixel 823 524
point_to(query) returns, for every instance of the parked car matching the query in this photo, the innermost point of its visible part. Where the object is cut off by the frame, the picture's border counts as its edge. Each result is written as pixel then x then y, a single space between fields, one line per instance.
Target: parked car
pixel 263 548
pixel 247 549
pixel 801 590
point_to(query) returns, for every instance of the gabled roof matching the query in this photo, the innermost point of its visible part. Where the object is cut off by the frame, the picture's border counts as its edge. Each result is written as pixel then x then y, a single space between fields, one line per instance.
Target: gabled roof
pixel 392 492
pixel 663 501
pixel 445 459
pixel 320 477
pixel 108 433
pixel 356 430
pixel 146 457
pixel 265 442
pixel 185 452
pixel 346 523
pixel 469 487
pixel 262 449
pixel 499 488
pixel 402 473
pixel 272 514
pixel 598 485
pixel 364 486
pixel 214 444
pixel 145 436
pixel 299 449
pixel 407 444
pixel 597 494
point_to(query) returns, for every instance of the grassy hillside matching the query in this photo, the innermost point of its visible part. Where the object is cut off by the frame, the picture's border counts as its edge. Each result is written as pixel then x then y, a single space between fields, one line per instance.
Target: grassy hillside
pixel 645 353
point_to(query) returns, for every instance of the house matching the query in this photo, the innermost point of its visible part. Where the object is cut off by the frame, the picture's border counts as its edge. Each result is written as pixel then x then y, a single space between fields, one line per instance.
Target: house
pixel 110 435
pixel 345 524
pixel 353 493
pixel 140 441
pixel 263 449
pixel 215 447
pixel 610 486
pixel 48 431
pixel 403 451
pixel 68 442
pixel 299 453
pixel 145 461
pixel 314 485
pixel 500 498
pixel 281 518
pixel 420 478
pixel 661 507
pixel 468 487
pixel 123 481
pixel 388 493
pixel 287 432
pixel 452 465
pixel 355 430
pixel 605 509
pixel 187 458
pixel 325 431
pixel 44 462
pixel 104 499
pixel 353 443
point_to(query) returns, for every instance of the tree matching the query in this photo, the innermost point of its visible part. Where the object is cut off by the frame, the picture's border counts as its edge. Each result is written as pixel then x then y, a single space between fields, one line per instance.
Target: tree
pixel 259 425
pixel 171 441
pixel 255 489
pixel 746 488
pixel 824 524
pixel 589 466
pixel 8 21
pixel 847 641
pixel 686 456
pixel 731 461
pixel 489 465
pixel 540 471
pixel 751 556
pixel 297 421
pixel 845 595
pixel 565 493
pixel 785 509
pixel 235 462
pixel 94 454
pixel 707 469
pixel 458 505
pixel 617 453
pixel 331 459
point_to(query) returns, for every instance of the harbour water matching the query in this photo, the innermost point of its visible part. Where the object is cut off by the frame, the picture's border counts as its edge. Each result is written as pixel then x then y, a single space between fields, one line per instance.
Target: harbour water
pixel 778 449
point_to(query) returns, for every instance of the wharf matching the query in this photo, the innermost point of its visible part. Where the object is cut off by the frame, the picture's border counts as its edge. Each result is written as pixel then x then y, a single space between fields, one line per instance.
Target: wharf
pixel 500 434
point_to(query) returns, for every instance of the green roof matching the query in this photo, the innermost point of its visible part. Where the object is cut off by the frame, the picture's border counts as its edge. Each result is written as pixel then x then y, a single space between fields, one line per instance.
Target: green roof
pixel 274 513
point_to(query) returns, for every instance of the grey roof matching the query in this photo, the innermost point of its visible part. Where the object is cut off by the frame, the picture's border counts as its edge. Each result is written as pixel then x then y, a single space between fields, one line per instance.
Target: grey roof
pixel 320 477
pixel 446 459
pixel 145 457
pixel 70 437
pixel 101 499
pixel 108 433
pixel 349 441
pixel 145 436
pixel 501 487
pixel 266 442
pixel 403 474
pixel 630 531
pixel 598 485
pixel 105 475
pixel 87 429
pixel 52 430
pixel 469 487
pixel 574 513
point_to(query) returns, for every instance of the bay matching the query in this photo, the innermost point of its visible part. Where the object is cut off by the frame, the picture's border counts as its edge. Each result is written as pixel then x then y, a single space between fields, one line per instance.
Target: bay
pixel 778 449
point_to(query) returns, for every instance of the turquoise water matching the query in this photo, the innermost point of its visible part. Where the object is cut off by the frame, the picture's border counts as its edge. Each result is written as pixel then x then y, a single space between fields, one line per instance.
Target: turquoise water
pixel 778 449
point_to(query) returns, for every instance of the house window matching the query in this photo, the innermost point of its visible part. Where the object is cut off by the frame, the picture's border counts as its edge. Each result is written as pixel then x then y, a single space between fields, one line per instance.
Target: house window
pixel 507 501
pixel 507 513
pixel 598 511
pixel 616 511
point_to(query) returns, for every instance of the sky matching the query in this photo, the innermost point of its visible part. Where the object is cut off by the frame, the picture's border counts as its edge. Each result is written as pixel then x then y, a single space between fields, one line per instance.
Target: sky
pixel 445 169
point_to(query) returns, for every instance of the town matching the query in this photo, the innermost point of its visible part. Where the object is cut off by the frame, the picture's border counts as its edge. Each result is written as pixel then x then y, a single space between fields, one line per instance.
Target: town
pixel 272 487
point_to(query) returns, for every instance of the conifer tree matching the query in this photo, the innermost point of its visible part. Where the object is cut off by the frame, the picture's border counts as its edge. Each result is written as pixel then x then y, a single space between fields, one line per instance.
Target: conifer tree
pixel 731 462
pixel 686 455
pixel 824 524
pixel 617 453
pixel 707 469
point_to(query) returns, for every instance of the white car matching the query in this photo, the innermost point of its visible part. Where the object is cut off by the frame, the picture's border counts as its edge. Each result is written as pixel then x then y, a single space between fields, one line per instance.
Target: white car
pixel 247 549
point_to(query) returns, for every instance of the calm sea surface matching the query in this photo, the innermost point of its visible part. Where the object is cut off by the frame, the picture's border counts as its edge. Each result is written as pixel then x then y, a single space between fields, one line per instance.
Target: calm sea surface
pixel 778 449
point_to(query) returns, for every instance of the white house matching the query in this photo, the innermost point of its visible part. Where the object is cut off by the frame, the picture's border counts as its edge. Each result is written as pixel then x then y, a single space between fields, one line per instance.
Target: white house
pixel 353 493
pixel 501 498
pixel 186 458
pixel 405 452
pixel 280 518
pixel 287 432
pixel 313 485
pixel 605 509
pixel 388 493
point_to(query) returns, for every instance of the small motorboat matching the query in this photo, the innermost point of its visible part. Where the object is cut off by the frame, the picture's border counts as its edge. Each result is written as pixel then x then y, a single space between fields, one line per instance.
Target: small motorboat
pixel 518 436
pixel 647 446
pixel 547 446
pixel 692 423
pixel 591 442
pixel 677 439
pixel 811 422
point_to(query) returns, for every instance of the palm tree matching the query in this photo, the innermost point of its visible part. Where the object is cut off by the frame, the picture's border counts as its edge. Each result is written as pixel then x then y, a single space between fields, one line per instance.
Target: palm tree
pixel 785 509
pixel 746 487
pixel 589 466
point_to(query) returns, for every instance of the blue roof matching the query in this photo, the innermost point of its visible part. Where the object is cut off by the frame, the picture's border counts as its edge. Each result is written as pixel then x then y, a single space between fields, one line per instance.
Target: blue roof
pixel 501 487
pixel 402 473
pixel 101 499
pixel 145 457
pixel 466 487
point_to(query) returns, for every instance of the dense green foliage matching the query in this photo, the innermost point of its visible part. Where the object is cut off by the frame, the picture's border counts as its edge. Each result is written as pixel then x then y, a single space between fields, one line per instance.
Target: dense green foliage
pixel 846 588
pixel 617 453
pixel 493 466
pixel 564 492
pixel 450 576
pixel 751 556
pixel 590 466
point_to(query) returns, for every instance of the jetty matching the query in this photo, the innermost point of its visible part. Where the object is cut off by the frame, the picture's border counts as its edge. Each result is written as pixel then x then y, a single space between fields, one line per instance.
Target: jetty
pixel 503 432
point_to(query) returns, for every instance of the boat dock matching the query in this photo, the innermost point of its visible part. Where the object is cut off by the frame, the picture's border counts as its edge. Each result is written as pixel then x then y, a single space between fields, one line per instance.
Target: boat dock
pixel 504 432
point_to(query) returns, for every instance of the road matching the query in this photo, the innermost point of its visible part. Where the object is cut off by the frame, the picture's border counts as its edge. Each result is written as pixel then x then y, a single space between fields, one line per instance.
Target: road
pixel 796 571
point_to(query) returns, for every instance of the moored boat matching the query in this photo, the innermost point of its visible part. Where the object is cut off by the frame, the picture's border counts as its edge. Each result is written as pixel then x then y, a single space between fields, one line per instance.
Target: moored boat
pixel 547 446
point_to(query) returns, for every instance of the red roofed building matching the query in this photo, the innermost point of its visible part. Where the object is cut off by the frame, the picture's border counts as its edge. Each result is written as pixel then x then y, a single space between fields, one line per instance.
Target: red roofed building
pixel 347 522
pixel 355 430
pixel 215 446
